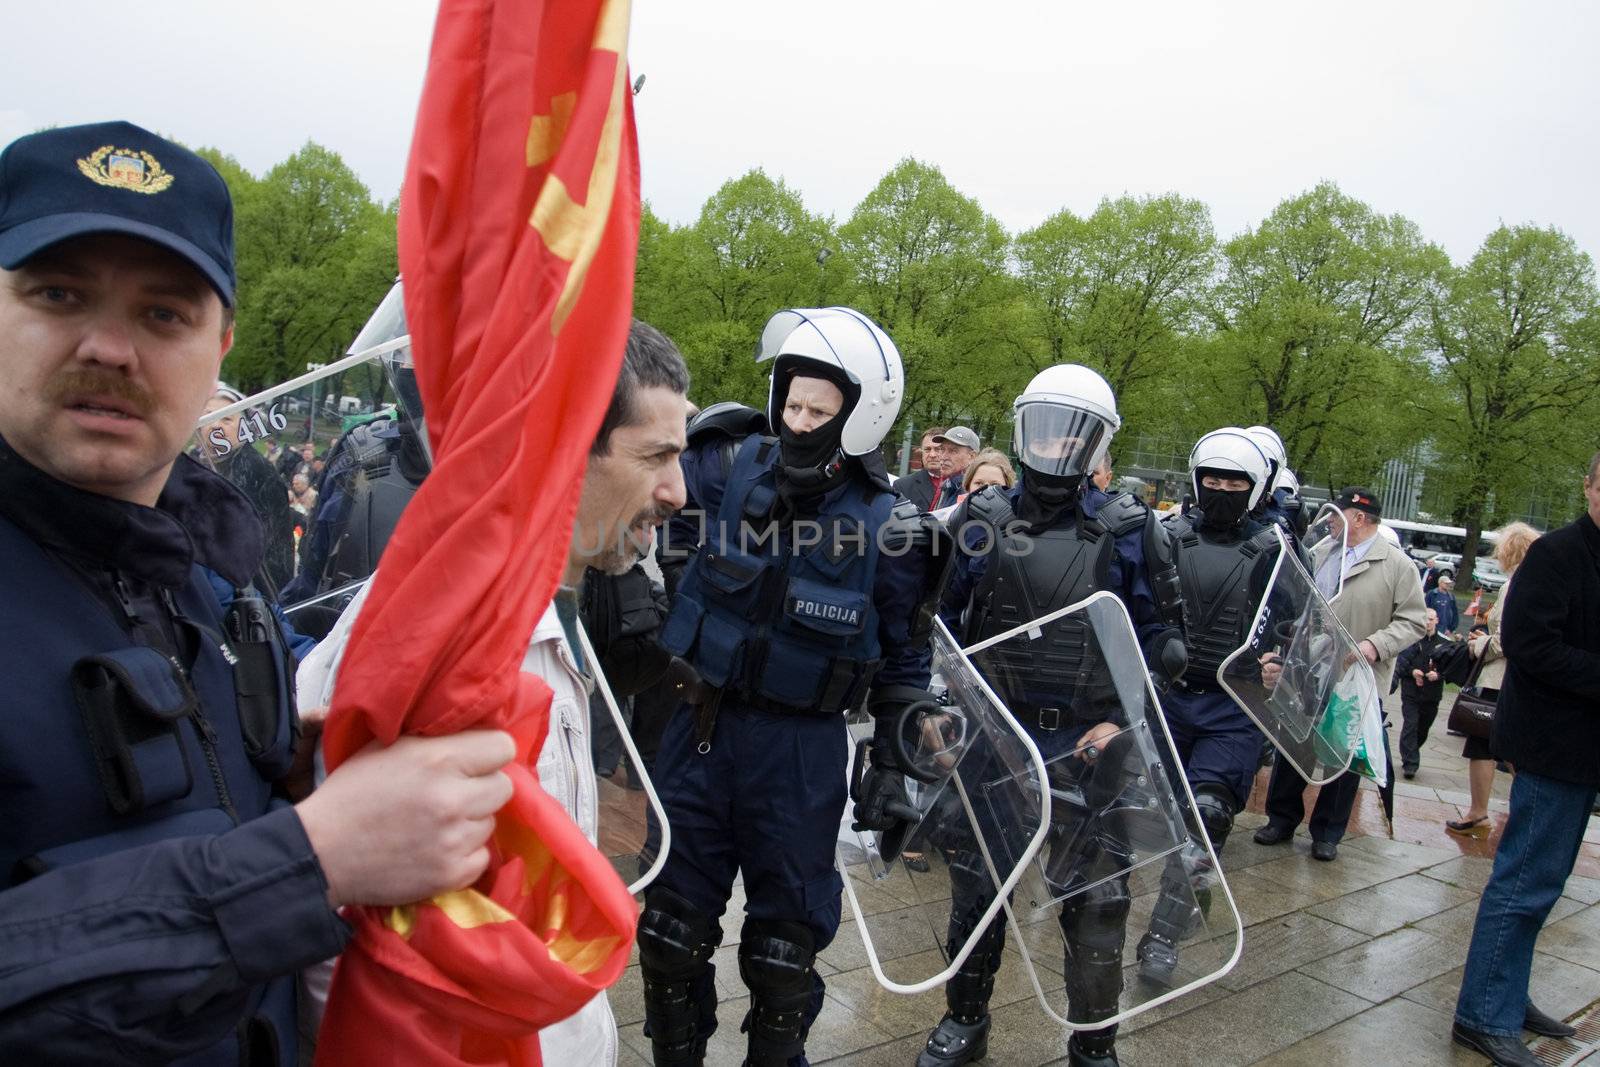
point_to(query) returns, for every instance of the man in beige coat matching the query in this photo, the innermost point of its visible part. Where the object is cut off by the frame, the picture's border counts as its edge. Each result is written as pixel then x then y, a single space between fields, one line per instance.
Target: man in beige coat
pixel 1381 606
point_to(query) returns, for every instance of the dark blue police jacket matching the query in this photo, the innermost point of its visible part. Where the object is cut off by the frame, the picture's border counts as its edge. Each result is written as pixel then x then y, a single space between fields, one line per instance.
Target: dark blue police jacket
pixel 782 625
pixel 156 896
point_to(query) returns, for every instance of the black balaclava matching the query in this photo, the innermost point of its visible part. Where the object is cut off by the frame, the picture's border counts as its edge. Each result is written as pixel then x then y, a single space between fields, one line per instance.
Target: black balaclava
pixel 1046 497
pixel 811 463
pixel 1221 508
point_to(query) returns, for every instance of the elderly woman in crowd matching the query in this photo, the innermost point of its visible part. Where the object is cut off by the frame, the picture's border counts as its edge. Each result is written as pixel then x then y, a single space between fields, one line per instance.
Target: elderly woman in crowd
pixel 1509 549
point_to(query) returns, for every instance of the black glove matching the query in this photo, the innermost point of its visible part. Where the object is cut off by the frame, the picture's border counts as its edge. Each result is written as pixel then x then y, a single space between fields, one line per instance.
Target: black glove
pixel 1168 657
pixel 879 789
pixel 881 806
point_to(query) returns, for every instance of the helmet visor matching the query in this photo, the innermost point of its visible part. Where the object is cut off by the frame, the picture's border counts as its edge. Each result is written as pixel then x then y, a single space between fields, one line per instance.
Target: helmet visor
pixel 1058 440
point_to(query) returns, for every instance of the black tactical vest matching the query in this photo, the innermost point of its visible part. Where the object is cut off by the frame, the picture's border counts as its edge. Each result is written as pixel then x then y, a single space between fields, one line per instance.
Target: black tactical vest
pixel 1059 676
pixel 1222 575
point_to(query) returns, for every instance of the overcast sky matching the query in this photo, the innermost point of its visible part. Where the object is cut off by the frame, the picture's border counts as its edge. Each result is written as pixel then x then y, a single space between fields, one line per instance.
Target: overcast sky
pixel 1459 115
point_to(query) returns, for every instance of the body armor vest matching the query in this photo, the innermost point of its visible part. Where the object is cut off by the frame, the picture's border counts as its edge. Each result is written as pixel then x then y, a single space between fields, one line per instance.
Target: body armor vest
pixel 781 616
pixel 1062 675
pixel 1222 576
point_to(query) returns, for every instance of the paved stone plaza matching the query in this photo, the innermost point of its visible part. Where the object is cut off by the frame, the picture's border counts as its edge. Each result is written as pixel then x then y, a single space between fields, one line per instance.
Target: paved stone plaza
pixel 1352 962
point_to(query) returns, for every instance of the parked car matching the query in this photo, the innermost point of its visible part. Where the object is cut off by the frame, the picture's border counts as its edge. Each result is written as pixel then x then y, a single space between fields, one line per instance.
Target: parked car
pixel 1487 573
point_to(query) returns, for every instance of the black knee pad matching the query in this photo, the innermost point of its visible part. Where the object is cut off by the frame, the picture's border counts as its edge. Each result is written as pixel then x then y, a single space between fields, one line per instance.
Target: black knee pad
pixel 775 961
pixel 1098 917
pixel 1215 805
pixel 676 940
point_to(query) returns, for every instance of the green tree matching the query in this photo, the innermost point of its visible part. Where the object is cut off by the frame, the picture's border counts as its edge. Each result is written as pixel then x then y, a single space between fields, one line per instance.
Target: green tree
pixel 1120 291
pixel 1516 338
pixel 711 286
pixel 929 266
pixel 1317 319
pixel 314 253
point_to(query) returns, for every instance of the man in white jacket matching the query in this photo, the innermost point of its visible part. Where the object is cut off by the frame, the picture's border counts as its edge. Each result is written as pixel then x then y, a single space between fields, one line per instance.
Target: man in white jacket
pixel 633 483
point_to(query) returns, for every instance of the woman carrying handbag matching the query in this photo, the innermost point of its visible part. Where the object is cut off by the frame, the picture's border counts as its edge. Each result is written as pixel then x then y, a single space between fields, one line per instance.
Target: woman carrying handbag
pixel 1473 710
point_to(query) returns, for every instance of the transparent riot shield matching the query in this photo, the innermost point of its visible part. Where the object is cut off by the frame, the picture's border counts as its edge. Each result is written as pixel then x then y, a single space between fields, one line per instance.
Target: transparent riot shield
pixel 980 817
pixel 1126 899
pixel 633 830
pixel 1327 540
pixel 330 459
pixel 1300 676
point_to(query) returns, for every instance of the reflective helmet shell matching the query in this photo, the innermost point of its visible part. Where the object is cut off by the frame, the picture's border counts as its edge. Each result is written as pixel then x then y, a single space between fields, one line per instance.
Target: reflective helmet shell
pixel 1084 396
pixel 836 340
pixel 1231 451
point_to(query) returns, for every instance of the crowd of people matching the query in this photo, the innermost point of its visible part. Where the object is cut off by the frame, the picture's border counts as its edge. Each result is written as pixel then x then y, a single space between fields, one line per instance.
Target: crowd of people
pixel 177 859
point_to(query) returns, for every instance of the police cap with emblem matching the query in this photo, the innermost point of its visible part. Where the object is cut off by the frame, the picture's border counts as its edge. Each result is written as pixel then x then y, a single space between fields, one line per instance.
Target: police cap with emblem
pixel 114 177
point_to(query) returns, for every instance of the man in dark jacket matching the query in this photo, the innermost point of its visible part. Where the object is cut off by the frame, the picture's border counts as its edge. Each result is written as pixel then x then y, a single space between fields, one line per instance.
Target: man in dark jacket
pixel 918 486
pixel 1546 725
pixel 1418 674
pixel 158 893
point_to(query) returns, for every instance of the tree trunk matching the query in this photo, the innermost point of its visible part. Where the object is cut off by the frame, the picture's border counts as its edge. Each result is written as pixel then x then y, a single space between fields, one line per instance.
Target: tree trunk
pixel 1469 550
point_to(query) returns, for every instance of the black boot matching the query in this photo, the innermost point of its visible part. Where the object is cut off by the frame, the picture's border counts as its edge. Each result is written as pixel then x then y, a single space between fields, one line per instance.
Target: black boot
pixel 962 1036
pixel 954 1042
pixel 1158 959
pixel 1093 1048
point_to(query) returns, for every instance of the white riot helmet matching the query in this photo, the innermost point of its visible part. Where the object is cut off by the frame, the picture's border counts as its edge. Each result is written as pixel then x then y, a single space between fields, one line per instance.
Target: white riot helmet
pixel 1065 420
pixel 839 343
pixel 1272 445
pixel 1231 453
pixel 1287 479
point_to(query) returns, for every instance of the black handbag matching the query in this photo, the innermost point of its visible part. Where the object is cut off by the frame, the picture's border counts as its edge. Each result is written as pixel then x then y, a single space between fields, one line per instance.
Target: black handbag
pixel 1472 713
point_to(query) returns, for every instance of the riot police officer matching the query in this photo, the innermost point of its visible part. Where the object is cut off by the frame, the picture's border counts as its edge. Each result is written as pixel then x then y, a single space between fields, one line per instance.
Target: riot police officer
pixel 1224 557
pixel 808 592
pixel 1281 502
pixel 1026 552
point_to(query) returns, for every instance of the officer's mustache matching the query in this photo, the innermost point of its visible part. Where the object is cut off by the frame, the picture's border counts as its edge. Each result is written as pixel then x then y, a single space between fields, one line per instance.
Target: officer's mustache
pixel 75 385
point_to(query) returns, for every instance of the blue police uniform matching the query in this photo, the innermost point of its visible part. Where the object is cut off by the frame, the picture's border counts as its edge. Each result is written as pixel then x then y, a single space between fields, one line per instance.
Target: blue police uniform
pixel 159 896
pixel 786 634
pixel 1286 509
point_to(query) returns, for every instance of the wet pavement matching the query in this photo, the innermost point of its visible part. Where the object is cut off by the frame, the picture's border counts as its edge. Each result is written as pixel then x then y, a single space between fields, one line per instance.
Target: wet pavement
pixel 1352 962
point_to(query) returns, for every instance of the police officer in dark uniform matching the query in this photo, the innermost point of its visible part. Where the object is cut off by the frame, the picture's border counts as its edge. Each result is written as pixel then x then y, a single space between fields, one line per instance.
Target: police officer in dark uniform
pixel 807 593
pixel 158 893
pixel 1224 557
pixel 1026 552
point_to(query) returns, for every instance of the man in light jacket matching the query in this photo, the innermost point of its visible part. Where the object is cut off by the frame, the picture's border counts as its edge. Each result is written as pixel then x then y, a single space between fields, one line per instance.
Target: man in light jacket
pixel 1381 606
pixel 633 483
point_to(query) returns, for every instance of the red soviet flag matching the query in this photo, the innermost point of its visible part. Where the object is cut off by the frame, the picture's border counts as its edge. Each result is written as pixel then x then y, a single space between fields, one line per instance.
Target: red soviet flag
pixel 519 221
